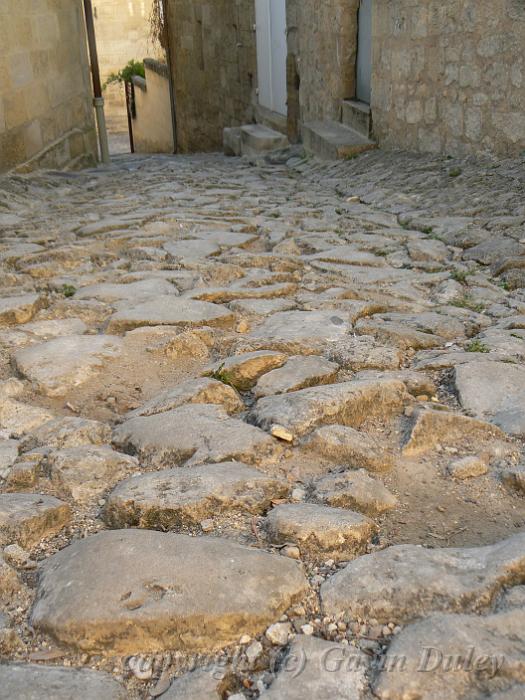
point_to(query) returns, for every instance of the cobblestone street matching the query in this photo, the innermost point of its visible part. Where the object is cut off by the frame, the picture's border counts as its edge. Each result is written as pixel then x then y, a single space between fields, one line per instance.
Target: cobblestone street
pixel 236 397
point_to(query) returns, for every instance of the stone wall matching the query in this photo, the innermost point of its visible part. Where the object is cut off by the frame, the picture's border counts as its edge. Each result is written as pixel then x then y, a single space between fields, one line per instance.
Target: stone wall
pixel 46 113
pixel 322 45
pixel 122 29
pixel 152 125
pixel 449 76
pixel 214 68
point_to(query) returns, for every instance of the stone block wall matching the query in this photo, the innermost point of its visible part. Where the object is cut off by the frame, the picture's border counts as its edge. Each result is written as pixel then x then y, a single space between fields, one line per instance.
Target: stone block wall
pixel 46 113
pixel 213 57
pixel 152 125
pixel 122 29
pixel 322 41
pixel 449 76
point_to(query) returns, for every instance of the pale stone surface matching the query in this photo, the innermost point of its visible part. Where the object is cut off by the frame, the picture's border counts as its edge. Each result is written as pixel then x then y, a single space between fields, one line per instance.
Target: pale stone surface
pixel 199 391
pixel 133 590
pixel 468 467
pixel 320 532
pixel 67 432
pixel 18 418
pixel 86 472
pixel 195 434
pixel 243 371
pixel 432 427
pixel 349 403
pixel 310 329
pixel 32 681
pixel 355 490
pixel 383 585
pixel 202 684
pixel 171 311
pixel 130 293
pixel 185 496
pixel 62 364
pixel 8 455
pixel 27 517
pixel 494 391
pixel 350 447
pixel 19 309
pixel 487 653
pixel 315 668
pixel 297 373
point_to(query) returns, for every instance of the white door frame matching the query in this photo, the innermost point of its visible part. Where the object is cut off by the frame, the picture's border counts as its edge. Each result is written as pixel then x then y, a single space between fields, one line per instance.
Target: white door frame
pixel 272 54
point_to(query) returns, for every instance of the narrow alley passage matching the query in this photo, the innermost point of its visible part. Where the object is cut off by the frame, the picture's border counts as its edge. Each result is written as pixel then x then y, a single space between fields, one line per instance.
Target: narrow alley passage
pixel 235 399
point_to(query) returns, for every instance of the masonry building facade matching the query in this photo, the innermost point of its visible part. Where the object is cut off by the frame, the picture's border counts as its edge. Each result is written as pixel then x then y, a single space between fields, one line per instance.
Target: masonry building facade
pixel 428 75
pixel 46 111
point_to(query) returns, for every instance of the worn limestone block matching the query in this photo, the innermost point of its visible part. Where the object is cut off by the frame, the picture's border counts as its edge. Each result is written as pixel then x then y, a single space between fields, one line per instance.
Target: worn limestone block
pixel 60 365
pixel 185 496
pixel 430 428
pixel 297 373
pixel 84 473
pixel 27 517
pixel 319 531
pixel 19 309
pixel 31 681
pixel 128 591
pixel 348 403
pixel 171 311
pixel 405 582
pixel 355 490
pixel 315 668
pixel 199 391
pixel 456 656
pixel 347 446
pixel 242 371
pixel 195 433
pixel 494 391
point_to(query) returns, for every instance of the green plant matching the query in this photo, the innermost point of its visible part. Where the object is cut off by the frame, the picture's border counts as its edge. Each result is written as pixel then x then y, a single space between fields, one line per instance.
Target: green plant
pixel 467 303
pixel 477 346
pixel 221 375
pixel 459 276
pixel 126 74
pixel 455 172
pixel 68 290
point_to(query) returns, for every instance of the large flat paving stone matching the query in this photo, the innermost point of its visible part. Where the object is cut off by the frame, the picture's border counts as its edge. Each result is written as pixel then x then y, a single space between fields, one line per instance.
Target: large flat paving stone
pixel 494 391
pixel 298 373
pixel 405 582
pixel 186 496
pixel 319 531
pixel 62 364
pixel 355 490
pixel 196 434
pixel 201 391
pixel 347 446
pixel 27 517
pixel 84 473
pixel 171 311
pixel 126 591
pixel 242 371
pixel 34 682
pixel 465 657
pixel 308 330
pixel 348 403
pixel 315 668
pixel 133 292
pixel 19 309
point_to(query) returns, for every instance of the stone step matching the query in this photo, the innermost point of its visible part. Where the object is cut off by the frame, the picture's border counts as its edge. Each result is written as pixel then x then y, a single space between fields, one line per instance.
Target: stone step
pixel 330 140
pixel 356 115
pixel 252 140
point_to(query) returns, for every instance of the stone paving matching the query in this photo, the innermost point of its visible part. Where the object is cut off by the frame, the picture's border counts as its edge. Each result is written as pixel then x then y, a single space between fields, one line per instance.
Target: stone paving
pixel 261 429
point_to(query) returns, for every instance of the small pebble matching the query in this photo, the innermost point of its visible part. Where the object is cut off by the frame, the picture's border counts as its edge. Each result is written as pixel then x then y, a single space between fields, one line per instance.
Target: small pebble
pixel 278 634
pixel 307 629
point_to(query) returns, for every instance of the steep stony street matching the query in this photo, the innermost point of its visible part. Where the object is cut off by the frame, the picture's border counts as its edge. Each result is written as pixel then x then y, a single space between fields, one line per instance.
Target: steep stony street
pixel 235 399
